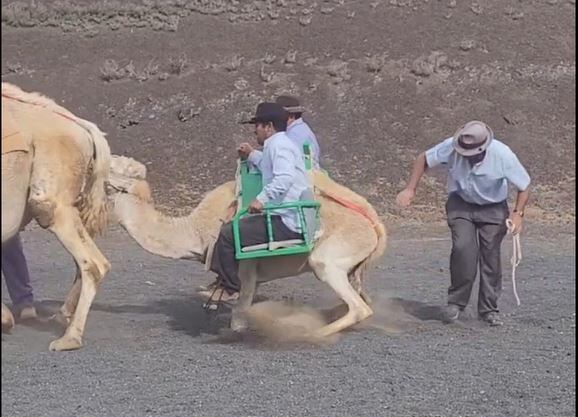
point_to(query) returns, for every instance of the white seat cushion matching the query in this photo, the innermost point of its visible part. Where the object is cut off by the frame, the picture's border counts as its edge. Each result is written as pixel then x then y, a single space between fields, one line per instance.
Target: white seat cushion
pixel 273 245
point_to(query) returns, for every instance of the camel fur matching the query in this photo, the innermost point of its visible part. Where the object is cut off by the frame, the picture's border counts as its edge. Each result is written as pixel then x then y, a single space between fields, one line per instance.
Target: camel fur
pixel 349 243
pixel 57 176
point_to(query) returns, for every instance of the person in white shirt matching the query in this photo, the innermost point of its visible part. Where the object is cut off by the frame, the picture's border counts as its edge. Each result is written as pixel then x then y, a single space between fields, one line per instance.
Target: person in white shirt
pixel 284 180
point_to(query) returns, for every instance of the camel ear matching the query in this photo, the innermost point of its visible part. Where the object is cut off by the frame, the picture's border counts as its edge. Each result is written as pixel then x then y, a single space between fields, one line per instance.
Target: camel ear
pixel 127 167
pixel 141 190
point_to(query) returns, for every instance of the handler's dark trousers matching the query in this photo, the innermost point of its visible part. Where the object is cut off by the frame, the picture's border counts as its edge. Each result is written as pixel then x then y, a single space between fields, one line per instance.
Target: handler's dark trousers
pixel 477 234
pixel 253 231
pixel 16 273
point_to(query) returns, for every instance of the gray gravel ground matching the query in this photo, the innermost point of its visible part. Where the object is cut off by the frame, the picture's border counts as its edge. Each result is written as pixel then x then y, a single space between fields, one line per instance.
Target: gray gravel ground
pixel 150 349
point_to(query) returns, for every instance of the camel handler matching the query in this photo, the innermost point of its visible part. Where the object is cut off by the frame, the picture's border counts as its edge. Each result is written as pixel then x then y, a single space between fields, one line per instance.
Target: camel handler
pixel 479 170
pixel 17 278
pixel 297 129
pixel 284 181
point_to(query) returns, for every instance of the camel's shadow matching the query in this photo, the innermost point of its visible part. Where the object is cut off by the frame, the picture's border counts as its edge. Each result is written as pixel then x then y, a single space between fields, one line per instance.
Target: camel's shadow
pixel 186 314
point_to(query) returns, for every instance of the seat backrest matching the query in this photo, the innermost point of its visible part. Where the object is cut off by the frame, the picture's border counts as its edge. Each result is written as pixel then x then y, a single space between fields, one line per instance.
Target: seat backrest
pixel 251 184
pixel 311 215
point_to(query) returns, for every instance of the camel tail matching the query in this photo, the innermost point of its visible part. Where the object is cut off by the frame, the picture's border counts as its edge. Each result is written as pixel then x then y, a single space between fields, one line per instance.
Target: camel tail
pixel 94 206
pixel 377 253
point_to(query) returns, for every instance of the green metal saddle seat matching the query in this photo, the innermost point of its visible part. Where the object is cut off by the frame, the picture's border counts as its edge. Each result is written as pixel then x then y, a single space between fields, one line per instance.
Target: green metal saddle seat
pixel 250 185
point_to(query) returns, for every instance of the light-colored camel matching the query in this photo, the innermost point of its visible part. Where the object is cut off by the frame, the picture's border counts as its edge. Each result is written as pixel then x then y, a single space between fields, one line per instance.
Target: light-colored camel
pixel 55 167
pixel 352 237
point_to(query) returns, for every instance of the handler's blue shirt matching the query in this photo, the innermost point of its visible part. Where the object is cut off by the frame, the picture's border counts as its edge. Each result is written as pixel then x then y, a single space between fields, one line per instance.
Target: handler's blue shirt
pixel 485 182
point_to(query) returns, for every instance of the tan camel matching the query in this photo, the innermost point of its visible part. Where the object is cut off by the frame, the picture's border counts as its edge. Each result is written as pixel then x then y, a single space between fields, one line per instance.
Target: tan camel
pixel 352 237
pixel 55 167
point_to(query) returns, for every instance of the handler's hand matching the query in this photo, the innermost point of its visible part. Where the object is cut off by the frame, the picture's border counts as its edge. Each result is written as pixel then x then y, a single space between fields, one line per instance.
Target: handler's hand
pixel 516 223
pixel 404 198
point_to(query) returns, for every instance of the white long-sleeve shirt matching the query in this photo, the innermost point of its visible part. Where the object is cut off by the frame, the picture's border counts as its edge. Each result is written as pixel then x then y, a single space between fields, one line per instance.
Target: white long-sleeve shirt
pixel 284 177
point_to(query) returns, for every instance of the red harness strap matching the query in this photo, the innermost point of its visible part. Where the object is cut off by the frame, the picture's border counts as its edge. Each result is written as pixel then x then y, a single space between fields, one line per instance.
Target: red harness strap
pixel 352 206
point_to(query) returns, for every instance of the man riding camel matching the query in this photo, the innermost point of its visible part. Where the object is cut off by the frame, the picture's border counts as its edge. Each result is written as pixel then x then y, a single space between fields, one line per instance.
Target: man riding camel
pixel 285 180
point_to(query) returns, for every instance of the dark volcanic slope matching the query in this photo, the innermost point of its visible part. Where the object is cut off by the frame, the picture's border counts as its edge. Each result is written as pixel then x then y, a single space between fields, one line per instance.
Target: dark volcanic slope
pixel 167 80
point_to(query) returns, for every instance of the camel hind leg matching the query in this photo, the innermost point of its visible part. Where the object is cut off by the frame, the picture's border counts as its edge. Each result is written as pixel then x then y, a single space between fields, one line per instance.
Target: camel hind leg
pixel 356 279
pixel 334 273
pixel 93 266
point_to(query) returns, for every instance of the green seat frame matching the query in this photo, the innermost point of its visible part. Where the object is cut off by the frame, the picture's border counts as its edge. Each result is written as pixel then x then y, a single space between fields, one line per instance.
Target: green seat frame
pixel 250 186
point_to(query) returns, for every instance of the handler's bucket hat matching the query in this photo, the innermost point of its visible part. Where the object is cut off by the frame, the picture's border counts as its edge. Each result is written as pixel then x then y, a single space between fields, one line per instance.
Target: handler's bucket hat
pixel 473 138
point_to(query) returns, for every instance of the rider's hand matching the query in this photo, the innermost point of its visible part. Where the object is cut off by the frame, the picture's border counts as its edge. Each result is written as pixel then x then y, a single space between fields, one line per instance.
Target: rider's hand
pixel 404 198
pixel 244 150
pixel 255 207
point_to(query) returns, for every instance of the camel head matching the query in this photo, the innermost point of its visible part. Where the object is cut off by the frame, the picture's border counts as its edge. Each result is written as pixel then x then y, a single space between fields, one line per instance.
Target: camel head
pixel 127 175
pixel 133 208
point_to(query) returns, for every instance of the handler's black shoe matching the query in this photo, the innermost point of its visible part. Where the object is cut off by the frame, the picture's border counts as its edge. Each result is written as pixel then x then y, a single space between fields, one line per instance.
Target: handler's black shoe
pixel 492 318
pixel 451 313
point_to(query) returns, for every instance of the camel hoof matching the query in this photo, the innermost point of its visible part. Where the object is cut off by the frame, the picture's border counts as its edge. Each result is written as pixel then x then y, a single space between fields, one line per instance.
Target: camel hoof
pixel 239 324
pixel 65 343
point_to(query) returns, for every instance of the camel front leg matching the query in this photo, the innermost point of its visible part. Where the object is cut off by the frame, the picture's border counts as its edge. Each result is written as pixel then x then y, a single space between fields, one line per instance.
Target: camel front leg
pixel 93 267
pixel 248 280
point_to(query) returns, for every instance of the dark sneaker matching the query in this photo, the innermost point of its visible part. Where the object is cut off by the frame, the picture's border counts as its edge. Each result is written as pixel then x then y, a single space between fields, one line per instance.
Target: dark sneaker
pixel 219 294
pixel 492 318
pixel 451 313
pixel 209 287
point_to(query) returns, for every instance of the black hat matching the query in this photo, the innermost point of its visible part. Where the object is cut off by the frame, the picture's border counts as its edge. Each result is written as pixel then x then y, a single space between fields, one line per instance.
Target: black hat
pixel 290 103
pixel 268 112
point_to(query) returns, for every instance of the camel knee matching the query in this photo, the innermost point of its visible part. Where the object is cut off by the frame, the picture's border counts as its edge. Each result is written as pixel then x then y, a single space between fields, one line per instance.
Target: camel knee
pixel 42 209
pixel 95 270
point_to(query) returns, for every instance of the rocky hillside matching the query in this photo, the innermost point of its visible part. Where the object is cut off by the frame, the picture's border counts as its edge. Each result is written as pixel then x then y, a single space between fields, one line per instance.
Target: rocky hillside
pixel 382 79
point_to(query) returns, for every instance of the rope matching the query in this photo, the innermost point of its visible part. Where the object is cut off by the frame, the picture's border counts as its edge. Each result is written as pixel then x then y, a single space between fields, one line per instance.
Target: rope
pixel 516 255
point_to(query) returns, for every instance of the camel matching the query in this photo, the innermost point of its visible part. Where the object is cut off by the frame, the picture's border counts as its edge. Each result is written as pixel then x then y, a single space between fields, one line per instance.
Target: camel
pixel 55 167
pixel 351 239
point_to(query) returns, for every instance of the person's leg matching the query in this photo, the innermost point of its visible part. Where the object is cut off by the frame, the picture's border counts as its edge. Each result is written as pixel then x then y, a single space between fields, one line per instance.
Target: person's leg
pixel 464 255
pixel 463 262
pixel 17 277
pixel 253 231
pixel 491 234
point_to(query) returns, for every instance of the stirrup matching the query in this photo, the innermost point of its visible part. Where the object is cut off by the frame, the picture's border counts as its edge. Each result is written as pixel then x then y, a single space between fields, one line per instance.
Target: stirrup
pixel 211 305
